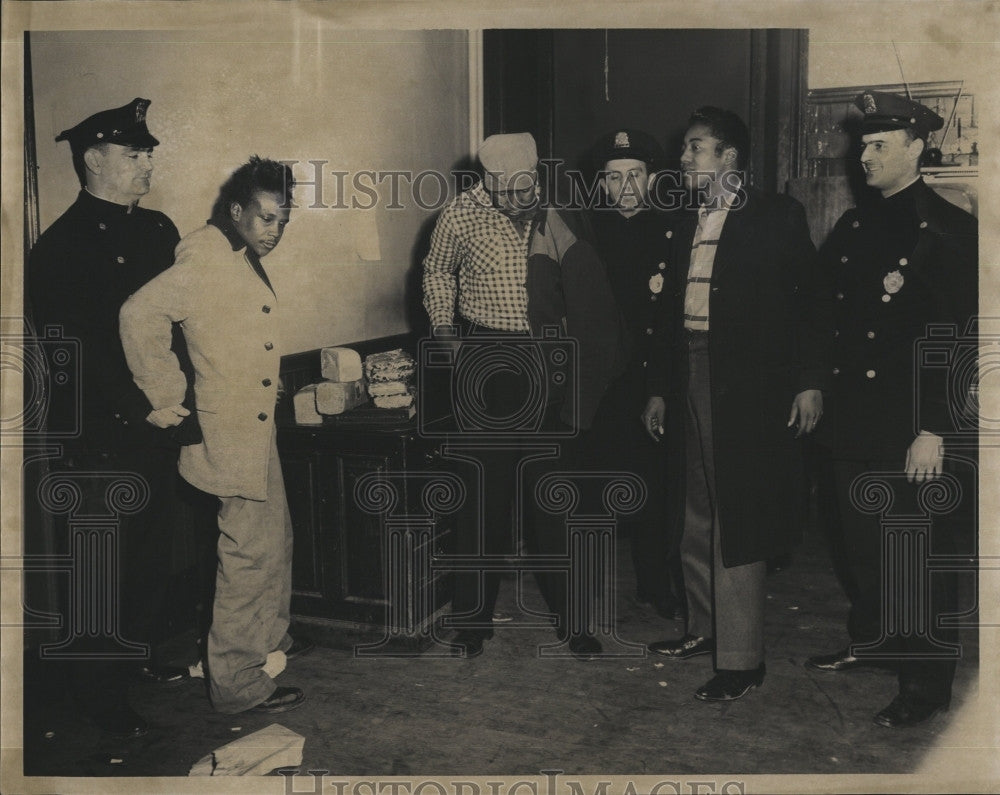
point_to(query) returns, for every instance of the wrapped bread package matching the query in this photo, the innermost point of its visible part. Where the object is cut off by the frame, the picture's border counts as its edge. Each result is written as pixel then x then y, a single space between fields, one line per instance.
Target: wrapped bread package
pixel 305 406
pixel 394 401
pixel 394 365
pixel 333 397
pixel 340 364
pixel 386 388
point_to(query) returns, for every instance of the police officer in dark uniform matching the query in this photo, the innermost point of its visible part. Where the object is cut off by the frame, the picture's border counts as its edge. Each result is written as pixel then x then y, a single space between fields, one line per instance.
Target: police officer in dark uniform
pixel 631 237
pixel 902 259
pixel 81 270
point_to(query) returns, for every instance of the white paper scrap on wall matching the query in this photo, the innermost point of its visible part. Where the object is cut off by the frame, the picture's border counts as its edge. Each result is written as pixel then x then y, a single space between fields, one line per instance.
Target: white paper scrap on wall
pixel 366 240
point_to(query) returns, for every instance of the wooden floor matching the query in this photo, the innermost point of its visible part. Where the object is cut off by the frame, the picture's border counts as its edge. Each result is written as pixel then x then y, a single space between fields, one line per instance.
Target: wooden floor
pixel 512 712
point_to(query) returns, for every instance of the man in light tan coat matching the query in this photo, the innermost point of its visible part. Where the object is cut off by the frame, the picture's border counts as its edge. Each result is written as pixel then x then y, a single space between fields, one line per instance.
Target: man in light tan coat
pixel 220 294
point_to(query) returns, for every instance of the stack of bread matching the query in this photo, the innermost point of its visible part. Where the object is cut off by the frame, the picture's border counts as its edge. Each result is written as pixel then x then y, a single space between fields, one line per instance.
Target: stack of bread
pixel 342 387
pixel 390 379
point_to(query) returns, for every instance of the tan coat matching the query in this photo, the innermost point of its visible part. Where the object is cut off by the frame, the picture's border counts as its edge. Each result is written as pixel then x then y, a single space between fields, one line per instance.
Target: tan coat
pixel 230 321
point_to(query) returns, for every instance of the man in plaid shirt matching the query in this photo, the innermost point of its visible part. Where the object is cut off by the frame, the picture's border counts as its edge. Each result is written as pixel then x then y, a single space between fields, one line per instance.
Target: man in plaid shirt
pixel 491 248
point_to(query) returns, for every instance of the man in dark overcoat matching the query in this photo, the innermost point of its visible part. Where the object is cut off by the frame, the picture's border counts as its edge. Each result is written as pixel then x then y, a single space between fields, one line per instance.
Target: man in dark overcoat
pixel 739 371
pixel 81 270
pixel 904 267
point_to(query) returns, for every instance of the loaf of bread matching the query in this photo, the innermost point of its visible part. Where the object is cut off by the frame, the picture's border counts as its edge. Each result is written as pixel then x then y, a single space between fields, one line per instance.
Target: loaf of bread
pixel 333 397
pixel 305 406
pixel 340 364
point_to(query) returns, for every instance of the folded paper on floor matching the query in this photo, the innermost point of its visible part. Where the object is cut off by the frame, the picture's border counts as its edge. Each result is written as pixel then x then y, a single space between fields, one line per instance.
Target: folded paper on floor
pixel 256 754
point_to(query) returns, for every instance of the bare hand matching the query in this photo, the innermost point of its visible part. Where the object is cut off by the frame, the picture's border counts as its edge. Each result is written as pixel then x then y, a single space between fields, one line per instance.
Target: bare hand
pixel 167 417
pixel 652 417
pixel 924 458
pixel 807 408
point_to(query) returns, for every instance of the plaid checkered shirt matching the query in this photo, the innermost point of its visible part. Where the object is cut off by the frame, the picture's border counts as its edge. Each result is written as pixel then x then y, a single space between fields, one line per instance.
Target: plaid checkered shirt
pixel 478 255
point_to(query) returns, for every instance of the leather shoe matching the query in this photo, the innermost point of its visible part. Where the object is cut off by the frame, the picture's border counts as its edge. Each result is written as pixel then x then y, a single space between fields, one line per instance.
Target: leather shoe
pixel 841 660
pixel 906 711
pixel 730 685
pixel 469 642
pixel 120 720
pixel 281 700
pixel 299 647
pixel 164 674
pixel 585 647
pixel 683 649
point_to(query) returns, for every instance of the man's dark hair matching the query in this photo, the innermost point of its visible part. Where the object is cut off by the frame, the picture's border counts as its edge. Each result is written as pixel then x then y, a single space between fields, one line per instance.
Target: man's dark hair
pixel 256 175
pixel 728 128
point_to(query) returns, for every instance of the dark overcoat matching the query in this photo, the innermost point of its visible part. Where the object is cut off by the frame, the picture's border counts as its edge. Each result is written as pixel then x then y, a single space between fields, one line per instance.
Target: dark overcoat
pixel 771 331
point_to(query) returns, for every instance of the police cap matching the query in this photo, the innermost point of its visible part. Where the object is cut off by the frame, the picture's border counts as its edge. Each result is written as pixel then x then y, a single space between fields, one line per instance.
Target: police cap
pixel 125 126
pixel 892 112
pixel 628 144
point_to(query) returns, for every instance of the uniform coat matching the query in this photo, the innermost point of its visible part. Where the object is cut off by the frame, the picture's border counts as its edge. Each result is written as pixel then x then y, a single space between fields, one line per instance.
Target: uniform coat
pixel 897 265
pixel 771 327
pixel 80 272
pixel 230 321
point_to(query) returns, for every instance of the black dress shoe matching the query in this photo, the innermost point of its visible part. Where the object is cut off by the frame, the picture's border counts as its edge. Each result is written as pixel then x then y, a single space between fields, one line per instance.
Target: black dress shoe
pixel 906 711
pixel 842 660
pixel 120 720
pixel 730 685
pixel 164 674
pixel 684 648
pixel 585 647
pixel 469 642
pixel 281 700
pixel 299 647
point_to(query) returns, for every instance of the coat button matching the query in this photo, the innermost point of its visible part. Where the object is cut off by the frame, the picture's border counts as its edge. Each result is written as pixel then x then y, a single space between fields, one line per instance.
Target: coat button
pixel 836 333
pixel 121 260
pixel 886 298
pixel 870 374
pixel 904 261
pixel 268 346
pixel 102 226
pixel 923 224
pixel 262 416
pixel 662 266
pixel 266 382
pixel 855 224
pixel 649 331
pixel 836 371
pixel 265 309
pixel 870 335
pixel 840 296
pixel 652 298
pixel 669 234
pixel 844 258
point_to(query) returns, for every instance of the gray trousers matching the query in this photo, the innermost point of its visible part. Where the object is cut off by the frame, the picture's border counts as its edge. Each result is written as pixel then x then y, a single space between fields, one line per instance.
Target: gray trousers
pixel 252 594
pixel 730 598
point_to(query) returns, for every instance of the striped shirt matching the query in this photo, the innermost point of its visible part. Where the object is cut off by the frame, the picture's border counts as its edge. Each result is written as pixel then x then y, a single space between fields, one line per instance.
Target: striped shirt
pixel 479 256
pixel 699 281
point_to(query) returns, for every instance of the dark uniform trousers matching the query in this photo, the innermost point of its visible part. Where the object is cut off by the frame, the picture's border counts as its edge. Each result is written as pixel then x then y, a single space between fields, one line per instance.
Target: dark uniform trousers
pixel 501 511
pixel 900 609
pixel 107 648
pixel 724 603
